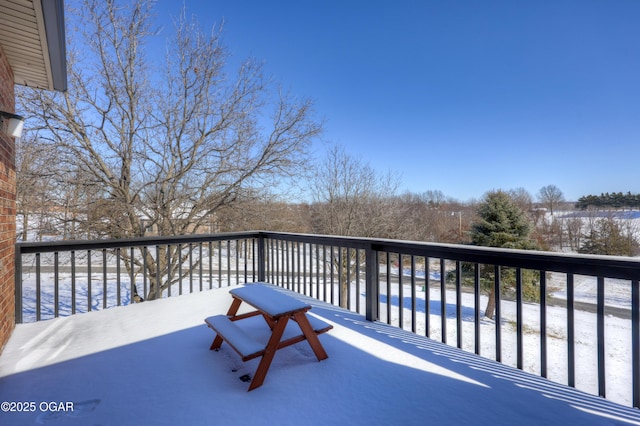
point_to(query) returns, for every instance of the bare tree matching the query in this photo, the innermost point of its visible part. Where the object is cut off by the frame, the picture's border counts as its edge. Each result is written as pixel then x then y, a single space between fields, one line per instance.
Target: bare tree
pixel 522 198
pixel 34 184
pixel 550 196
pixel 434 198
pixel 425 217
pixel 269 214
pixel 167 150
pixel 351 199
pixel 573 227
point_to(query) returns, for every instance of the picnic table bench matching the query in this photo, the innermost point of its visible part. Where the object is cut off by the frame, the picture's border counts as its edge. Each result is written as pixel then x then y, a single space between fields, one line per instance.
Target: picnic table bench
pixel 277 309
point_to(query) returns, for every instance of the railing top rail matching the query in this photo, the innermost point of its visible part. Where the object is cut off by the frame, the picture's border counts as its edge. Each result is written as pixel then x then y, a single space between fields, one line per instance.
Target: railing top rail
pixel 608 266
pixel 585 264
pixel 67 245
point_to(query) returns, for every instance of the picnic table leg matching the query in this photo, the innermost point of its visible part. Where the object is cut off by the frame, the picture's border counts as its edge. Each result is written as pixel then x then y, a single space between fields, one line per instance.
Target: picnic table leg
pixel 217 342
pixel 269 352
pixel 311 336
pixel 233 309
pixel 271 323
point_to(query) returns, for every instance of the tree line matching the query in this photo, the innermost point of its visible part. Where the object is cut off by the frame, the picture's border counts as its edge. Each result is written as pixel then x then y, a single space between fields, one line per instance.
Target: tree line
pixel 616 200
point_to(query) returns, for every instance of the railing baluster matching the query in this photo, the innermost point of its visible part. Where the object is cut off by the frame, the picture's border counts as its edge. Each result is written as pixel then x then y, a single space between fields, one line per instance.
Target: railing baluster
pixel 297 266
pixel 89 280
pixel 413 294
pixel 497 316
pixel 600 326
pixel 254 268
pixel 278 272
pixel 229 262
pixel 104 278
pixel 269 261
pixel 476 314
pixel 401 290
pixel 304 268
pixel 118 295
pixel 190 268
pixel 357 295
pixel 237 263
pixel 56 285
pixel 245 262
pixel 519 322
pixel 571 334
pixel 339 273
pixel 210 265
pixel 324 273
pixel 458 304
pixel 73 282
pixel 317 281
pixel 348 283
pixel 427 298
pixel 132 273
pixel 289 261
pixel 219 264
pixel 157 294
pixel 283 262
pixel 169 273
pixel 543 324
pixel 38 289
pixel 179 249
pixel 201 266
pixel 144 271
pixel 332 276
pixel 388 287
pixel 443 303
pixel 635 342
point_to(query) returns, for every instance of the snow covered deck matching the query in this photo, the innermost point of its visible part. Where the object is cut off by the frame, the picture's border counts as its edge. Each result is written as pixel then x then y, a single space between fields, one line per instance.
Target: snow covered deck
pixel 150 364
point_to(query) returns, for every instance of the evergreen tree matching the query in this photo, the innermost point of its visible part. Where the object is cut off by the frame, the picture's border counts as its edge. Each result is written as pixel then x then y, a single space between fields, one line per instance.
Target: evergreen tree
pixel 608 238
pixel 503 224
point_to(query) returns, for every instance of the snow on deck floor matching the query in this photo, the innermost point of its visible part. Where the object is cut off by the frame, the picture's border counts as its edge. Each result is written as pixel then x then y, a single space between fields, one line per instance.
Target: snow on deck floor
pixel 150 364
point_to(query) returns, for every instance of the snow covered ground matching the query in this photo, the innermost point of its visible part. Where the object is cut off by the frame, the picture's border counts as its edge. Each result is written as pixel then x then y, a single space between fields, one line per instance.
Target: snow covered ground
pixel 149 363
pixel 617 347
pixel 618 330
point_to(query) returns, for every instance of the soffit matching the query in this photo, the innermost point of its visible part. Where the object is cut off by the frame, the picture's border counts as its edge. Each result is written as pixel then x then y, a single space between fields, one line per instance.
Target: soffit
pixel 32 37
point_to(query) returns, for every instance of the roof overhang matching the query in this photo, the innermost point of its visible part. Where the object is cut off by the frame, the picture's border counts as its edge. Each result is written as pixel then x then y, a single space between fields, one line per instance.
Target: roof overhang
pixel 32 36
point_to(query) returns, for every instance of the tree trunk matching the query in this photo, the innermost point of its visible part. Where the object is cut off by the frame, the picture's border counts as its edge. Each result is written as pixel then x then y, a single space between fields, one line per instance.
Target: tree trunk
pixel 491 305
pixel 344 294
pixel 25 226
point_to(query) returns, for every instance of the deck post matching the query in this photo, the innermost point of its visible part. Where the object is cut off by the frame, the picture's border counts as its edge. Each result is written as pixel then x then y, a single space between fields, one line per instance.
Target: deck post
pixel 18 284
pixel 372 283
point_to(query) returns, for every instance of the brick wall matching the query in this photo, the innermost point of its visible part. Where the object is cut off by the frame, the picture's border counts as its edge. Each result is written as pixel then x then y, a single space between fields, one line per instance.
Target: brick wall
pixel 7 207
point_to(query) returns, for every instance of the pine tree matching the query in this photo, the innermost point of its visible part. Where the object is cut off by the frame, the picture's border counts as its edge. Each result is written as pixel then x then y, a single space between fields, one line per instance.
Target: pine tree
pixel 503 224
pixel 608 238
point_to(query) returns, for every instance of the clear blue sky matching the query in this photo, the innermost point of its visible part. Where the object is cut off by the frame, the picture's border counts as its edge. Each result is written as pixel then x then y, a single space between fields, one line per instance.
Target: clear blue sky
pixel 459 96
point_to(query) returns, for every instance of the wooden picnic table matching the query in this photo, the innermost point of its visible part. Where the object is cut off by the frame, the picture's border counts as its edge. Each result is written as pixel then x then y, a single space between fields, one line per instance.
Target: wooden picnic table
pixel 277 308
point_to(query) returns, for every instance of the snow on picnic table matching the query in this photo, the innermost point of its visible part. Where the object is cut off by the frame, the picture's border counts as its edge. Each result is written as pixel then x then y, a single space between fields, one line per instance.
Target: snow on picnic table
pixel 150 363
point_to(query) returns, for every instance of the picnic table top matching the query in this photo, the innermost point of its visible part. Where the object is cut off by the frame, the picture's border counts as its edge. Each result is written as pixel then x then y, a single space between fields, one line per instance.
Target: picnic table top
pixel 267 299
